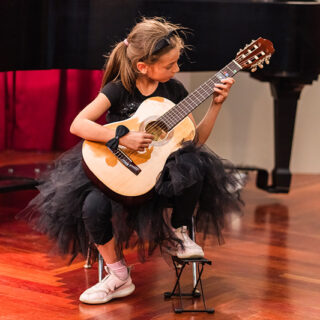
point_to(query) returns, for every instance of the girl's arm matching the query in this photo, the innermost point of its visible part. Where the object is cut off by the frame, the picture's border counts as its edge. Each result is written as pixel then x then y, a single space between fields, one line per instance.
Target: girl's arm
pixel 84 126
pixel 206 125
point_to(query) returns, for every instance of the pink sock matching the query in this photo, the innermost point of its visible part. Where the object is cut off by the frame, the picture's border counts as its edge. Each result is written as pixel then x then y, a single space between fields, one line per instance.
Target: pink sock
pixel 119 269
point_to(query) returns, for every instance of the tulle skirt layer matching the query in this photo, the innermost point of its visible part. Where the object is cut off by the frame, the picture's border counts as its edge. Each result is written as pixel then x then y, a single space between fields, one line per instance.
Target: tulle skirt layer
pixel 57 209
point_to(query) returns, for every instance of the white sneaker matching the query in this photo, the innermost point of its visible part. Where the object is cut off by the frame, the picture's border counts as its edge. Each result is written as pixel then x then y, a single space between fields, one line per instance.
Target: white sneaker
pixel 191 249
pixel 110 287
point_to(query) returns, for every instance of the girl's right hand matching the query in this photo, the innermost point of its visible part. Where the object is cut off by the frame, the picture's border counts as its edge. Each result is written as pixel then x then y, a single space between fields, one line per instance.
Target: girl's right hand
pixel 136 140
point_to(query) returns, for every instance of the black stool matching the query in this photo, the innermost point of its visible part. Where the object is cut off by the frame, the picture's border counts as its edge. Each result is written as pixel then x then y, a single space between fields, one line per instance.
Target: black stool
pixel 179 265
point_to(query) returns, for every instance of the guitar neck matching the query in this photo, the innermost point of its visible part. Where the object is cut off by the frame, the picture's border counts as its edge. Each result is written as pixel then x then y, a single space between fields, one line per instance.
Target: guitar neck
pixel 181 110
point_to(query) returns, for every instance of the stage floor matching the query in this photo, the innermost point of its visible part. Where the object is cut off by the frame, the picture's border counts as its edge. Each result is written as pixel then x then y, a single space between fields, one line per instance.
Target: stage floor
pixel 269 267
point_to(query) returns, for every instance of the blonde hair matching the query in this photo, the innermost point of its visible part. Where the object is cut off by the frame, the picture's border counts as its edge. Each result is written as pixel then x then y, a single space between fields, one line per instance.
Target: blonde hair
pixel 121 63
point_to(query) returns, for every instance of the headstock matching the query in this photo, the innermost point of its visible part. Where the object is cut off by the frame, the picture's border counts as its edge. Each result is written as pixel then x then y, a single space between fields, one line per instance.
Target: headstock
pixel 255 54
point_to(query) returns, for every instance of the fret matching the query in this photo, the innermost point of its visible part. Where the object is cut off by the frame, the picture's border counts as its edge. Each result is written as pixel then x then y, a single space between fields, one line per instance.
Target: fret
pixel 230 73
pixel 220 76
pixel 200 92
pixel 227 72
pixel 237 65
pixel 207 87
pixel 234 67
pixel 211 83
pixel 179 114
pixel 202 89
pixel 196 97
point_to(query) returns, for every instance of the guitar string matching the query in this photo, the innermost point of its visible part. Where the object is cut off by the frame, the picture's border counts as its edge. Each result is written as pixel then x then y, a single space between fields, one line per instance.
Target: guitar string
pixel 158 123
pixel 163 126
pixel 196 95
pixel 192 95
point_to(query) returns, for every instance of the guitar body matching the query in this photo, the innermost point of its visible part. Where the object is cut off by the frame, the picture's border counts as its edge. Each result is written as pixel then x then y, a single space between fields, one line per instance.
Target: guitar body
pixel 104 168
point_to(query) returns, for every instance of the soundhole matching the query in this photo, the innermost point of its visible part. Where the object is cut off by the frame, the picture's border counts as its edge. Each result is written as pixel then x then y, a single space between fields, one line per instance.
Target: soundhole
pixel 157 129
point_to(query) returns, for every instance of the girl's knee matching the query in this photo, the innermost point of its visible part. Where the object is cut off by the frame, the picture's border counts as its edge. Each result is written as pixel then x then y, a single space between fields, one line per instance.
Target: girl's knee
pixel 96 205
pixel 96 215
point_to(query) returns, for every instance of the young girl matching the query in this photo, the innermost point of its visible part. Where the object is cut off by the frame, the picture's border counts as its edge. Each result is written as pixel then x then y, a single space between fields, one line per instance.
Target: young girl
pixel 73 211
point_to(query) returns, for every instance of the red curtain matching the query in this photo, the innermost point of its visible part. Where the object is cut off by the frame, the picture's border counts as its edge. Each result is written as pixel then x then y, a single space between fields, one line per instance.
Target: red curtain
pixel 37 107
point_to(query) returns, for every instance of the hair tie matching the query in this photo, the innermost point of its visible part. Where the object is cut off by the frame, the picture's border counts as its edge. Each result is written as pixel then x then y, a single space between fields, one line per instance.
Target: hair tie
pixel 126 42
pixel 113 143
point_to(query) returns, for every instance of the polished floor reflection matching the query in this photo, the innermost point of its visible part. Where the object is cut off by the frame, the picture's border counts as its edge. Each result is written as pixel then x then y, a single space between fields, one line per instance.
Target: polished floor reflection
pixel 268 268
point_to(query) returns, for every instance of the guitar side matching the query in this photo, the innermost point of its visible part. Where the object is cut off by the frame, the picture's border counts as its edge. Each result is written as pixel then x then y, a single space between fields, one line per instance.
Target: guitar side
pixel 117 178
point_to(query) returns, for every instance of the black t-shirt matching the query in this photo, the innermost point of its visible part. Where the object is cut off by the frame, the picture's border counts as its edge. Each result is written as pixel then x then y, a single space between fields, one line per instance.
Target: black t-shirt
pixel 124 104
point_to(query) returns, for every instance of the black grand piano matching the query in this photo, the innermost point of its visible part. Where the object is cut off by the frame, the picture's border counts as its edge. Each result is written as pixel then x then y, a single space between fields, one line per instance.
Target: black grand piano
pixel 45 34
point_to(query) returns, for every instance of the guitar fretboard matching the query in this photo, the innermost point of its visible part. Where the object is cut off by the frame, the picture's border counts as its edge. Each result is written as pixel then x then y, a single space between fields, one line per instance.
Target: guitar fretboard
pixel 176 114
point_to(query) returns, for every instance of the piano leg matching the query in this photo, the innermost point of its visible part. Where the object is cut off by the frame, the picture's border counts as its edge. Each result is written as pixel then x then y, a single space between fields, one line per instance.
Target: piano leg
pixel 286 95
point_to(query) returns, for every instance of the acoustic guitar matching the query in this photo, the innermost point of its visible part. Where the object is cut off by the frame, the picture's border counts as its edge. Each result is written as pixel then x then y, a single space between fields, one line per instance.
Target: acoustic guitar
pixel 130 175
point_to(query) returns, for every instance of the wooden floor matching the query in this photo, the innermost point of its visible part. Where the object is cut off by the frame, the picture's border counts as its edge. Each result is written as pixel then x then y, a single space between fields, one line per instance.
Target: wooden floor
pixel 269 267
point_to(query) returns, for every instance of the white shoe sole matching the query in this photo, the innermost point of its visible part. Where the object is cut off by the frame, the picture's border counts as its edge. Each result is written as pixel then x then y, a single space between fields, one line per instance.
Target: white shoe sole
pixel 185 256
pixel 192 256
pixel 118 294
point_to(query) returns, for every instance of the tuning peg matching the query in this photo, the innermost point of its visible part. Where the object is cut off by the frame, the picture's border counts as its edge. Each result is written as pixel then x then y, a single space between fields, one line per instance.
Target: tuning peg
pixel 260 65
pixel 254 69
pixel 267 61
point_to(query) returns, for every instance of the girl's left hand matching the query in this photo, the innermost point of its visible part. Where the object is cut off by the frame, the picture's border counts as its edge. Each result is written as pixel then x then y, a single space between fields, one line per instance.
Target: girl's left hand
pixel 221 90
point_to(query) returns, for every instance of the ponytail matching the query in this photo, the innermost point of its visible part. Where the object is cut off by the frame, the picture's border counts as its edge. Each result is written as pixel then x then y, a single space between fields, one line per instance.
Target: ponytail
pixel 118 66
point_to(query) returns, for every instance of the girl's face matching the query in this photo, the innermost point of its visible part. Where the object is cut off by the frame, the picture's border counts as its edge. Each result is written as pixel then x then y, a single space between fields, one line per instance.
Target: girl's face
pixel 166 67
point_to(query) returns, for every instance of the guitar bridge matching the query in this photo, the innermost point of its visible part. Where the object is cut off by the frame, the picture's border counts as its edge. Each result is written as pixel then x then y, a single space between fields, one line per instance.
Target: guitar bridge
pixel 126 161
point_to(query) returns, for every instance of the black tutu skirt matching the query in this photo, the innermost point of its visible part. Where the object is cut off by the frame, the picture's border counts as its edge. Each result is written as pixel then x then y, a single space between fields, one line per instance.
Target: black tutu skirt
pixel 57 209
